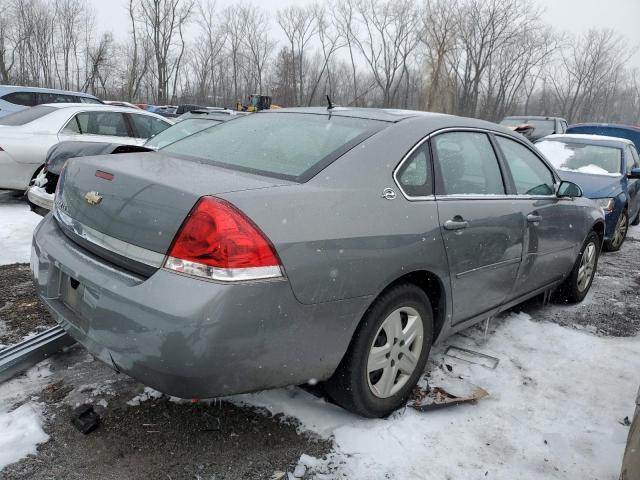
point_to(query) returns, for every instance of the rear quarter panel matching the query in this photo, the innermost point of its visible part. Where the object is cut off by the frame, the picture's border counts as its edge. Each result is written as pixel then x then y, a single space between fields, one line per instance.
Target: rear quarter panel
pixel 337 237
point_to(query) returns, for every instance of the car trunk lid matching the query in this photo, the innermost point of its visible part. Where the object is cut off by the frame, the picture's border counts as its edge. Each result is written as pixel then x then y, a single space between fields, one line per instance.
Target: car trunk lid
pixel 130 202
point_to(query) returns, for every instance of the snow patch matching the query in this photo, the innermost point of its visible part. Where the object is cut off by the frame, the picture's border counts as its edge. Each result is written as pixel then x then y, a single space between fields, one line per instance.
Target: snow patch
pixel 21 433
pixel 147 394
pixel 555 402
pixel 17 223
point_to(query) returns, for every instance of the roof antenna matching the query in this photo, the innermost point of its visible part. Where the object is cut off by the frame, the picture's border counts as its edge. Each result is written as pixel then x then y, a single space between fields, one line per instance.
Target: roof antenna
pixel 330 105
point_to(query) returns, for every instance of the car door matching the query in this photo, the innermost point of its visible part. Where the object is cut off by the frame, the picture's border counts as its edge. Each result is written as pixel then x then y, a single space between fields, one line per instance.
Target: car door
pixel 481 229
pixel 98 126
pixel 551 233
pixel 633 184
pixel 146 126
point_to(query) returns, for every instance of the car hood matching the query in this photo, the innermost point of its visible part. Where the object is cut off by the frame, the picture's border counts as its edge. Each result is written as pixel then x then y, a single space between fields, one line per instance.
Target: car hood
pixel 594 186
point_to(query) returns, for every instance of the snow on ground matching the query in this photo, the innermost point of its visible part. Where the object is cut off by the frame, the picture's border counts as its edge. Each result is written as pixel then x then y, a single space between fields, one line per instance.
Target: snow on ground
pixel 556 400
pixel 634 233
pixel 21 427
pixel 17 223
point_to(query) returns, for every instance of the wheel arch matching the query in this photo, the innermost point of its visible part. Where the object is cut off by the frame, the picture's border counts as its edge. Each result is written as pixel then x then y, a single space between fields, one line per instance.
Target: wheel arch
pixel 599 228
pixel 433 286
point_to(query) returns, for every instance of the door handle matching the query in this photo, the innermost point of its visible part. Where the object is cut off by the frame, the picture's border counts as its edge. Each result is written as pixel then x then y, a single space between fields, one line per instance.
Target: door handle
pixel 531 218
pixel 456 224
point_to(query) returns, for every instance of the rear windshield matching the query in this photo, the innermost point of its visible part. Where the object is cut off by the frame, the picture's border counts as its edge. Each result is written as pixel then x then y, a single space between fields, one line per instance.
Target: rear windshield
pixel 179 131
pixel 25 116
pixel 582 158
pixel 536 123
pixel 293 146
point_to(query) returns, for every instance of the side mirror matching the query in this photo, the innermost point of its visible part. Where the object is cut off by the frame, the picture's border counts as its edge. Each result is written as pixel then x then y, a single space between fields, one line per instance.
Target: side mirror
pixel 568 190
pixel 634 173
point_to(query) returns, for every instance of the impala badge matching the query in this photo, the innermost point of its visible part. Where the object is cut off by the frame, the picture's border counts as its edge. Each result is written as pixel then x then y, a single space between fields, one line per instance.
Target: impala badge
pixel 93 198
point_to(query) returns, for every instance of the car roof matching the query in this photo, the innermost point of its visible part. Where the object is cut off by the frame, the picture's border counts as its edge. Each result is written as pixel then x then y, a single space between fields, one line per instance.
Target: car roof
pixel 532 117
pixel 630 128
pixel 4 89
pixel 591 139
pixel 427 122
pixel 384 114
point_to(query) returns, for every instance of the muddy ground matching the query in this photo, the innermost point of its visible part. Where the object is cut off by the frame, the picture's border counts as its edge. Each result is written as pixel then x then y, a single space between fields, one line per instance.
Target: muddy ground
pixel 167 440
pixel 21 313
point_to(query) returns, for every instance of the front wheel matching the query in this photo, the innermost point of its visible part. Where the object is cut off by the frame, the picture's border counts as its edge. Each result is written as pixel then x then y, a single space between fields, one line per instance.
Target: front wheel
pixel 387 355
pixel 577 285
pixel 619 234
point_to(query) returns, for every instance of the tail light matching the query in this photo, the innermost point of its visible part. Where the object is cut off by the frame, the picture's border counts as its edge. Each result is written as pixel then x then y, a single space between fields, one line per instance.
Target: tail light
pixel 217 241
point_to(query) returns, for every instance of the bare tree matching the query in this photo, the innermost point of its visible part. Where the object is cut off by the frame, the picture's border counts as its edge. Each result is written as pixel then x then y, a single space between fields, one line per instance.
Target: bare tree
pixel 299 26
pixel 163 21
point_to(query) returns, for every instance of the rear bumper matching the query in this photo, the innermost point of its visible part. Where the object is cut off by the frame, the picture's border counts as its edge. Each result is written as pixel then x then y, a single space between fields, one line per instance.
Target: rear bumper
pixel 39 197
pixel 188 337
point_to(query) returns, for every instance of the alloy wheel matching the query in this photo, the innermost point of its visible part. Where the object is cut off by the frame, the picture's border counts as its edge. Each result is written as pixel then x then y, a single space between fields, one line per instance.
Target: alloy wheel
pixel 395 352
pixel 587 266
pixel 621 231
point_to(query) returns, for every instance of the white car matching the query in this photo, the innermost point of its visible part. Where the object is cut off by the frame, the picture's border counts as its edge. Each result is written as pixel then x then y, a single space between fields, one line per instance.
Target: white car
pixel 27 136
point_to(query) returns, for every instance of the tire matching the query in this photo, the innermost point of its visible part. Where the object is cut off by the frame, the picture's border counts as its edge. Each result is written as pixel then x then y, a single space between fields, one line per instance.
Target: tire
pixel 620 233
pixel 636 221
pixel 368 392
pixel 576 286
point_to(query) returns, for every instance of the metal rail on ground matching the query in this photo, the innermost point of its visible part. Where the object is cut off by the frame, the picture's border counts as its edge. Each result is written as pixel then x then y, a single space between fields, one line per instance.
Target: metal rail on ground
pixel 18 358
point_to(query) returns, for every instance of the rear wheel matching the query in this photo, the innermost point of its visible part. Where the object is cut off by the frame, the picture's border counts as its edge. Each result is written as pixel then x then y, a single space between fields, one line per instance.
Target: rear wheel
pixel 619 234
pixel 387 355
pixel 636 220
pixel 577 285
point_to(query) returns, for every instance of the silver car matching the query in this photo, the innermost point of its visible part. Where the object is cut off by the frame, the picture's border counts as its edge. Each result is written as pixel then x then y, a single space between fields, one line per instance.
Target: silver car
pixel 27 136
pixel 303 245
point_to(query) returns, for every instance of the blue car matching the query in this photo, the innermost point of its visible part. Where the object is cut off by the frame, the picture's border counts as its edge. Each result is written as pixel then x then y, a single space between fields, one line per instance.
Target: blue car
pixel 608 171
pixel 15 98
pixel 608 130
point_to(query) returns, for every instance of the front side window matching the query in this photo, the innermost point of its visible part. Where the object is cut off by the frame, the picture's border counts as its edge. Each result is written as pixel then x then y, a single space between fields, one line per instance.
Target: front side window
pixel 26 99
pixel 293 146
pixel 98 123
pixel 147 126
pixel 530 175
pixel 414 176
pixel 632 158
pixel 468 164
pixel 582 157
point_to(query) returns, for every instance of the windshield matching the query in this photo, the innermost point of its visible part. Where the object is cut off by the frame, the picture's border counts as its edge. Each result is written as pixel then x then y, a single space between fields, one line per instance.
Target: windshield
pixel 26 116
pixel 538 124
pixel 179 131
pixel 583 158
pixel 293 146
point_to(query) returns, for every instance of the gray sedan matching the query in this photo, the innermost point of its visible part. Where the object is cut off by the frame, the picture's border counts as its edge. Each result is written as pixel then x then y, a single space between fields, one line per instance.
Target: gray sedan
pixel 303 245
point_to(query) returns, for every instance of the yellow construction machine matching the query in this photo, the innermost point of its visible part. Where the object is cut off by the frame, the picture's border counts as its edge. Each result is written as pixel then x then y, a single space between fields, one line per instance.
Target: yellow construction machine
pixel 256 103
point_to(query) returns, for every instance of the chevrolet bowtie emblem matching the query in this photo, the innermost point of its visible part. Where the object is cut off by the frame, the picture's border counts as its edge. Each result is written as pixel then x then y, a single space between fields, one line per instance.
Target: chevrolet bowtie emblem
pixel 93 198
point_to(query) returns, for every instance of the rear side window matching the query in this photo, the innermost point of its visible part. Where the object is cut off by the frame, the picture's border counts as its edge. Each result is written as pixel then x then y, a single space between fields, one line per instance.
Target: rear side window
pixel 146 126
pixel 26 99
pixel 414 176
pixel 56 98
pixel 98 123
pixel 468 164
pixel 293 146
pixel 90 100
pixel 530 174
pixel 26 116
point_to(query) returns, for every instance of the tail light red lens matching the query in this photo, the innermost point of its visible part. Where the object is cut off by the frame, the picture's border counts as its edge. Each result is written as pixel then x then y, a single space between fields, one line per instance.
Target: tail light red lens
pixel 218 241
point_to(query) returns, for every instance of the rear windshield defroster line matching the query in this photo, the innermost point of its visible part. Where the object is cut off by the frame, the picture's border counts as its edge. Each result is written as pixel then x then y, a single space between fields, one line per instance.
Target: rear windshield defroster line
pixel 289 146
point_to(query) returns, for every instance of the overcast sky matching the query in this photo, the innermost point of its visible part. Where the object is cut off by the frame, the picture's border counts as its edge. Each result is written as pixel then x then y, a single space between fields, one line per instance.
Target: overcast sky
pixel 575 16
